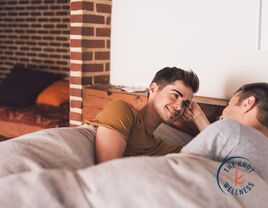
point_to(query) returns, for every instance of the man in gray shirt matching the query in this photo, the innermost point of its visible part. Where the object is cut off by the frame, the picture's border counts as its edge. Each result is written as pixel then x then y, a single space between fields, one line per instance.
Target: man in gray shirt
pixel 242 132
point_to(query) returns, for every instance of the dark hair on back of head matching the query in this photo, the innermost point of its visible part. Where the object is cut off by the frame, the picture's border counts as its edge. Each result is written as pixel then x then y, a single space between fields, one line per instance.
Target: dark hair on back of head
pixel 168 75
pixel 260 91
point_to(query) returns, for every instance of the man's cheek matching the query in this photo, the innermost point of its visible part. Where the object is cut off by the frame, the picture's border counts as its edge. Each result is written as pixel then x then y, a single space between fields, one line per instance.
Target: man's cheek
pixel 226 113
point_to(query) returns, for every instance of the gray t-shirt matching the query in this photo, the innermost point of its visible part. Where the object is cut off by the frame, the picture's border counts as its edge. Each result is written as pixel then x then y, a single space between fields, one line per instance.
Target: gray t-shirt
pixel 227 138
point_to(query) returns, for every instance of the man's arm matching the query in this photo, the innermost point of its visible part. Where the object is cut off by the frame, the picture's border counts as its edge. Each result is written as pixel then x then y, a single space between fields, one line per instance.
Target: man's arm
pixel 110 144
pixel 199 117
pixel 195 113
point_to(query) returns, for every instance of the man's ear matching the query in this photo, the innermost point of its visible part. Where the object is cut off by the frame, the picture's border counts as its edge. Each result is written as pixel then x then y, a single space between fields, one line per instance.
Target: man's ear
pixel 153 88
pixel 248 104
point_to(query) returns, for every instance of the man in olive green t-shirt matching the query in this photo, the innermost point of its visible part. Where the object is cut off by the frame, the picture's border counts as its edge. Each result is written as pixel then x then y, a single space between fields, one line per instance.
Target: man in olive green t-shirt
pixel 124 131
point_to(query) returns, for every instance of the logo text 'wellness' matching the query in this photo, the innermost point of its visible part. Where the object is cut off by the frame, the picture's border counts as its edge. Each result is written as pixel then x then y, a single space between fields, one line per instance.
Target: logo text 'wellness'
pixel 236 176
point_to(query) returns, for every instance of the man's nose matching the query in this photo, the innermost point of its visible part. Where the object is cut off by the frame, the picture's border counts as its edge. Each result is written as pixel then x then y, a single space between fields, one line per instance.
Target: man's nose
pixel 178 105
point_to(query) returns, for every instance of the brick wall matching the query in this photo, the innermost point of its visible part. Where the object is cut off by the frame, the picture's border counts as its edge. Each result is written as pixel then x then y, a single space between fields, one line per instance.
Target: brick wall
pixel 89 50
pixel 35 33
pixel 64 36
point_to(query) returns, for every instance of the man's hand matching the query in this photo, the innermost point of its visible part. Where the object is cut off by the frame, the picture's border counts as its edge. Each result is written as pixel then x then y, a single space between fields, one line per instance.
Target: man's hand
pixel 194 113
pixel 110 144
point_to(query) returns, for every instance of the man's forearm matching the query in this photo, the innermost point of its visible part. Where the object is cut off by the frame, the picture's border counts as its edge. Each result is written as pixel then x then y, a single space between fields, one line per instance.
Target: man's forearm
pixel 201 122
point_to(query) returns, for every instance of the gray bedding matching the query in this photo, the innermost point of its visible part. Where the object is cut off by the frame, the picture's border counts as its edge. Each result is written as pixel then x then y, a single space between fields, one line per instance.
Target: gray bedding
pixel 55 168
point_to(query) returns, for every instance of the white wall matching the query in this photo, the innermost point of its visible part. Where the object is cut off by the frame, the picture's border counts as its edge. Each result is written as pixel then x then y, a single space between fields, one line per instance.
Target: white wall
pixel 216 38
pixel 263 40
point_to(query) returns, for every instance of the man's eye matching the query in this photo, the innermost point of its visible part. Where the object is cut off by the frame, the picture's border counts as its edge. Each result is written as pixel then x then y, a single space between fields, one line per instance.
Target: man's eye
pixel 176 95
pixel 186 103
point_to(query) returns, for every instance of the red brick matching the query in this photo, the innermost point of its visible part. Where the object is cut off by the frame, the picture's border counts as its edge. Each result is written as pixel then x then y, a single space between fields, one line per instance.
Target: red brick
pixel 54 56
pixel 103 32
pixel 48 26
pixel 76 55
pixel 102 79
pixel 45 48
pixel 63 1
pixel 49 62
pixel 93 67
pixel 108 20
pixel 94 43
pixel 62 26
pixel 75 116
pixel 76 92
pixel 54 20
pixel 82 6
pixel 76 30
pixel 87 80
pixel 75 43
pixel 36 61
pixel 97 19
pixel 11 2
pixel 87 56
pixel 36 2
pixel 75 104
pixel 102 55
pixel 36 49
pixel 24 2
pixel 62 50
pixel 82 56
pixel 32 54
pixel 55 7
pixel 75 80
pixel 62 13
pixel 104 8
pixel 62 39
pixel 86 31
pixel 76 18
pixel 107 67
pixel 24 60
pixel 42 55
pixel 49 50
pixel 58 63
pixel 76 67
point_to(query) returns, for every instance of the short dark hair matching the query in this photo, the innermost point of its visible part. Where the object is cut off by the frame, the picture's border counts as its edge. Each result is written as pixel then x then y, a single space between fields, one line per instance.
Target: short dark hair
pixel 260 91
pixel 168 75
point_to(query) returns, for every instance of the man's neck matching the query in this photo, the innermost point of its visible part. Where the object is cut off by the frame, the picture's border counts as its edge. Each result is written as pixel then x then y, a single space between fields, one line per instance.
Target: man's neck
pixel 150 118
pixel 254 123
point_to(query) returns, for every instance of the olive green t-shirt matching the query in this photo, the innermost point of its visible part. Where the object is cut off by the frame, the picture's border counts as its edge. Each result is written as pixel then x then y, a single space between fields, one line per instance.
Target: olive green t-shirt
pixel 124 118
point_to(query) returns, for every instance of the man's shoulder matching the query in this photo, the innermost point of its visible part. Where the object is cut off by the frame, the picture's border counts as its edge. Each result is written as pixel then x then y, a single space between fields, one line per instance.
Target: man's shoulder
pixel 226 124
pixel 121 104
pixel 235 127
pixel 121 107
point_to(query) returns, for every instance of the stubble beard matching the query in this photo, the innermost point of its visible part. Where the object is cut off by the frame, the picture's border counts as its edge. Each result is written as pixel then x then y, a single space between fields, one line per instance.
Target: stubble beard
pixel 174 117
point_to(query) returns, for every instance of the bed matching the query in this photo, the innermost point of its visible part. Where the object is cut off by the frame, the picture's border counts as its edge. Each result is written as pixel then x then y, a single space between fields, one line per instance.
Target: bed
pixel 58 170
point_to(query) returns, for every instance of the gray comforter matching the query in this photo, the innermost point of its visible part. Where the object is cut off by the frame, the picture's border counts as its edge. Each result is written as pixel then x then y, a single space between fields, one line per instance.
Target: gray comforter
pixel 55 168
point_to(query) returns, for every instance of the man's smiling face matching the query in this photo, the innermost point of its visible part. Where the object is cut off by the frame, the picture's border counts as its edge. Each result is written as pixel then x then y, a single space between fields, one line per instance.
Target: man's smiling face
pixel 170 102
